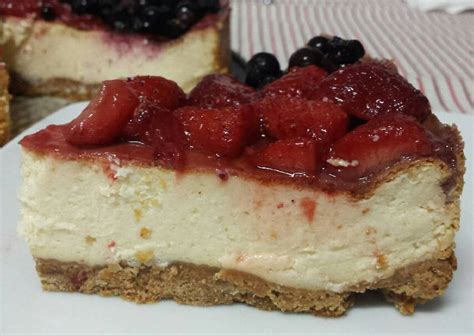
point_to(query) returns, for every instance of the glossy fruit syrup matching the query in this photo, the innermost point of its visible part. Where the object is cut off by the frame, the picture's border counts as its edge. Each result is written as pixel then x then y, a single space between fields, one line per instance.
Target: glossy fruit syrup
pixel 339 130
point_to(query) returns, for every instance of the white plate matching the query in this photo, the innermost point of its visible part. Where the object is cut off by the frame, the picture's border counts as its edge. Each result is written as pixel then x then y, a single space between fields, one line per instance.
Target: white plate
pixel 26 308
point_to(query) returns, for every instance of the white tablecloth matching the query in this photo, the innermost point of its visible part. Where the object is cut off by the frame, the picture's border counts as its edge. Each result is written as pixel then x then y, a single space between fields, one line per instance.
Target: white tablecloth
pixel 434 50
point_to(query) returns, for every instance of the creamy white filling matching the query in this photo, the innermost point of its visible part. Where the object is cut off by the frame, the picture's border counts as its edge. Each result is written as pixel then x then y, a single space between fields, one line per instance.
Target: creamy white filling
pixel 39 51
pixel 299 237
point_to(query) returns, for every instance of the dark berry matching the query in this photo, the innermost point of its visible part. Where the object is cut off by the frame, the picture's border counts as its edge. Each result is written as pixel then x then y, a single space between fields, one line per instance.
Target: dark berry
pixel 260 66
pixel 48 13
pixel 174 28
pixel 81 7
pixel 264 61
pixel 120 20
pixel 186 13
pixel 154 17
pixel 267 80
pixel 345 51
pixel 321 43
pixel 209 5
pixel 306 56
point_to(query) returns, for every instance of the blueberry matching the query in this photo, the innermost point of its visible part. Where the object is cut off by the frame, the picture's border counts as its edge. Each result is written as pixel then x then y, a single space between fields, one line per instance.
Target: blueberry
pixel 261 66
pixel 267 80
pixel 47 13
pixel 186 13
pixel 265 62
pixel 81 7
pixel 321 43
pixel 345 51
pixel 209 5
pixel 154 18
pixel 174 28
pixel 258 79
pixel 306 56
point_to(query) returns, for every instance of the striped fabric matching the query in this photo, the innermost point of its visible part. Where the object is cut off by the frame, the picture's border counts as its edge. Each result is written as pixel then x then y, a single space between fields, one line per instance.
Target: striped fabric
pixel 435 51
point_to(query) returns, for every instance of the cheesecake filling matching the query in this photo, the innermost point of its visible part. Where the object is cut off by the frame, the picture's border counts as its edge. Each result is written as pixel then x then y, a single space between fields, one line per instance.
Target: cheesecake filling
pixel 296 236
pixel 32 54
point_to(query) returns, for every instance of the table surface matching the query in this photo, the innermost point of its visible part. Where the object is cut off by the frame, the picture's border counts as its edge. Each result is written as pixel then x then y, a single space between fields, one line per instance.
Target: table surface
pixel 434 50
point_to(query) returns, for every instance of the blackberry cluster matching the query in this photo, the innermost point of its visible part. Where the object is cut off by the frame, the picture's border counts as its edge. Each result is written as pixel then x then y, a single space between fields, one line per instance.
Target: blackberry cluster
pixel 168 18
pixel 326 53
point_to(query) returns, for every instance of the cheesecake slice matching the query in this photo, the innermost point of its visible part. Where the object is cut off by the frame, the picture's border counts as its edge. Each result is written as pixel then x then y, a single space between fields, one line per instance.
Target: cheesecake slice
pixel 4 105
pixel 291 197
pixel 67 48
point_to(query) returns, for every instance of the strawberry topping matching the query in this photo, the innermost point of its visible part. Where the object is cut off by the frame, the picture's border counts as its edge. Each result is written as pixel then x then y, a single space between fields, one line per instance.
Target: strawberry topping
pixel 292 117
pixel 378 144
pixel 368 90
pixel 104 118
pixel 337 131
pixel 298 82
pixel 160 91
pixel 220 91
pixel 224 131
pixel 289 156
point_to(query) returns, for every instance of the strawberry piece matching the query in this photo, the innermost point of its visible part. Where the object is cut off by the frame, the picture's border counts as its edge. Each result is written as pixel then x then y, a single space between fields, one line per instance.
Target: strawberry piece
pixel 162 92
pixel 168 140
pixel 378 144
pixel 103 119
pixel 368 90
pixel 220 91
pixel 290 156
pixel 140 127
pixel 298 82
pixel 156 126
pixel 292 117
pixel 223 131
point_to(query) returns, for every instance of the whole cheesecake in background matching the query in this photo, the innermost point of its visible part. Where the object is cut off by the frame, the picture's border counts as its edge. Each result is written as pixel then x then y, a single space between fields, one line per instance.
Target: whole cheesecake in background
pixel 4 105
pixel 67 47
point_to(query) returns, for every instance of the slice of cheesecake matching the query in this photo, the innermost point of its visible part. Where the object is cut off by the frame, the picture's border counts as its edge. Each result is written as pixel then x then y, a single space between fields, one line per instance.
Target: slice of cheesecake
pixel 4 105
pixel 67 48
pixel 278 198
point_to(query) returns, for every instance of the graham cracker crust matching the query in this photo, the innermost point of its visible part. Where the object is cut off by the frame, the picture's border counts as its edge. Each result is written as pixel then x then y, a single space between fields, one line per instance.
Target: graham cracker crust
pixel 206 286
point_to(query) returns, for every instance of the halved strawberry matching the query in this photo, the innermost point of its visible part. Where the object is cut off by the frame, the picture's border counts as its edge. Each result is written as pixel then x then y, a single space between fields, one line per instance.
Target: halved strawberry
pixel 168 139
pixel 378 144
pixel 224 131
pixel 217 90
pixel 368 90
pixel 162 92
pixel 141 125
pixel 291 156
pixel 294 117
pixel 298 82
pixel 103 119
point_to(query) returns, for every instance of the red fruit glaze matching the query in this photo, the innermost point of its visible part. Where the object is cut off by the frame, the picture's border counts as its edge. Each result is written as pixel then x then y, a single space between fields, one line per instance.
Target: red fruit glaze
pixel 293 117
pixel 220 91
pixel 19 7
pixel 160 91
pixel 298 82
pixel 104 118
pixel 368 90
pixel 289 156
pixel 223 131
pixel 378 144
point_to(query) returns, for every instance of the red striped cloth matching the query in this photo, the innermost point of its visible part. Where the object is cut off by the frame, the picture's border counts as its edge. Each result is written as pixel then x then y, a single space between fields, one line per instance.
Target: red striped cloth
pixel 433 50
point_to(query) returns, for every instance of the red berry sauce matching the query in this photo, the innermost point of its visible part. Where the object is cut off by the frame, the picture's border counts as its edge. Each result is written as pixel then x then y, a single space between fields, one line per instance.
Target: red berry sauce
pixel 238 131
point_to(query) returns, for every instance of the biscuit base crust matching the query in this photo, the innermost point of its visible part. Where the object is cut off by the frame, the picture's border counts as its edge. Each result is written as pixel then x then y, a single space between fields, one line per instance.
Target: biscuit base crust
pixel 206 286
